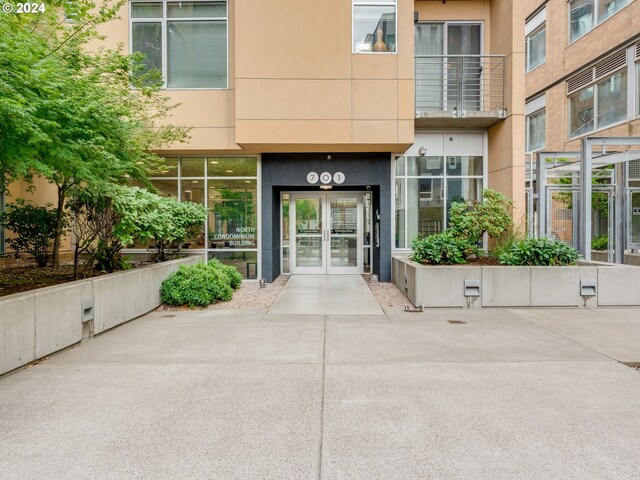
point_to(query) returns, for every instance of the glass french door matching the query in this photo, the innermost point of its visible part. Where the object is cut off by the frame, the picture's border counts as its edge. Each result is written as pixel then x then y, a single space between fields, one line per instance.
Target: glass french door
pixel 326 229
pixel 449 68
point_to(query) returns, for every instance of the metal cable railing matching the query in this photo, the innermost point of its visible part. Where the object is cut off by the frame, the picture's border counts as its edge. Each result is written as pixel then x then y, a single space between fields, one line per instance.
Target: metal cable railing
pixel 460 83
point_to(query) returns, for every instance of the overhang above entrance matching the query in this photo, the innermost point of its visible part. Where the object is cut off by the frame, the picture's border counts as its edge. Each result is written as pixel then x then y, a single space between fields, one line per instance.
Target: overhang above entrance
pixel 311 148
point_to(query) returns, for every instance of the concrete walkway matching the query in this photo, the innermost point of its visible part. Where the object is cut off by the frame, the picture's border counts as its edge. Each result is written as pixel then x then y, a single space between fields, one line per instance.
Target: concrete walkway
pixel 326 295
pixel 509 394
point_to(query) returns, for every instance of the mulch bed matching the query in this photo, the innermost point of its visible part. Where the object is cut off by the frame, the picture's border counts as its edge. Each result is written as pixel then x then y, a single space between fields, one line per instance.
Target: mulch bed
pixel 476 262
pixel 18 276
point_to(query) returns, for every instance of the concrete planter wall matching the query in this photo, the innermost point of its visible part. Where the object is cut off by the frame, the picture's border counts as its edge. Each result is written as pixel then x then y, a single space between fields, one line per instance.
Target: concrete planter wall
pixel 589 285
pixel 40 322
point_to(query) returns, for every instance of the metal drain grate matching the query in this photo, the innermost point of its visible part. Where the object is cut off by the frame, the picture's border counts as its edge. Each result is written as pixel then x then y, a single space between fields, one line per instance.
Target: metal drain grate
pixel 457 322
pixel 168 316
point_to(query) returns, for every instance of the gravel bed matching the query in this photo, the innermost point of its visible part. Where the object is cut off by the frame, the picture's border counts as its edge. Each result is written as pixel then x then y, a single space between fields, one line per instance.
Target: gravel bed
pixel 250 295
pixel 388 295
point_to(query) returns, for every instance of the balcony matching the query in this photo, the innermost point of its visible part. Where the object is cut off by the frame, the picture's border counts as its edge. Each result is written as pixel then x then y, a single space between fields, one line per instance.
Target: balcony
pixel 459 90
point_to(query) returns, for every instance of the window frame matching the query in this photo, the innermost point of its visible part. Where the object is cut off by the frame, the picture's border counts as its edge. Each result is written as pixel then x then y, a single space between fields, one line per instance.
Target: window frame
pixel 596 20
pixel 164 41
pixel 542 28
pixel 176 175
pixel 594 84
pixel 404 177
pixel 534 25
pixel 532 108
pixel 372 3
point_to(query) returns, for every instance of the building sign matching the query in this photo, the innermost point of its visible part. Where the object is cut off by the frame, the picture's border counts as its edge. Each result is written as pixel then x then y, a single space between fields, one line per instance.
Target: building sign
pixel 325 178
pixel 312 178
pixel 243 237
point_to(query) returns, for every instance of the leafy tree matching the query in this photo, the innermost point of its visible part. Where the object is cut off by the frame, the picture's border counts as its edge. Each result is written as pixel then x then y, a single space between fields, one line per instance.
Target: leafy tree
pixel 306 211
pixel 34 227
pixel 234 206
pixel 94 225
pixel 117 216
pixel 170 225
pixel 492 215
pixel 467 225
pixel 76 119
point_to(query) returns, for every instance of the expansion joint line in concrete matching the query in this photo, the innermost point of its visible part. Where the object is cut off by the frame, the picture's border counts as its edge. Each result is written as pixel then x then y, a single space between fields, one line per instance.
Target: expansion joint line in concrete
pixel 324 367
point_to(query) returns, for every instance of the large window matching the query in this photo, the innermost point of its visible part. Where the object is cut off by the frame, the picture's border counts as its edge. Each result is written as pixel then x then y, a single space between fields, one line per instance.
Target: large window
pixel 374 26
pixel 586 14
pixel 228 188
pixel 185 41
pixel 535 124
pixel 425 188
pixel 599 105
pixel 536 40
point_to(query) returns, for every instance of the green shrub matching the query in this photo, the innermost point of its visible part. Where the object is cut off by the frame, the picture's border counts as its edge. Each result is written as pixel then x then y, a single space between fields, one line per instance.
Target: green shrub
pixel 234 277
pixel 442 249
pixel 34 226
pixel 467 225
pixel 543 251
pixel 492 216
pixel 200 285
pixel 504 242
pixel 600 243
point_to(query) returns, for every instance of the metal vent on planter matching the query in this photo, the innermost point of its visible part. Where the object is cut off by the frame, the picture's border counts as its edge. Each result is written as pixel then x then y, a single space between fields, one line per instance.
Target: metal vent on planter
pixel 457 322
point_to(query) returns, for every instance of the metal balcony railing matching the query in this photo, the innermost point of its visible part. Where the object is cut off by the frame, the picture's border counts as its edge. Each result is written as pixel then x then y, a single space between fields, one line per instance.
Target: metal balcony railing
pixel 459 85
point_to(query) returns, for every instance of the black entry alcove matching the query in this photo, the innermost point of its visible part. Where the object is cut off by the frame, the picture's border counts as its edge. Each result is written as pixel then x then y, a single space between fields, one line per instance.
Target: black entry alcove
pixel 288 172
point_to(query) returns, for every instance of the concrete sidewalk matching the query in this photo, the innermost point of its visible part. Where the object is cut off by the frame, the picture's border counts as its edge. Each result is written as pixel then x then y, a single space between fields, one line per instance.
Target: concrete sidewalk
pixel 326 295
pixel 527 394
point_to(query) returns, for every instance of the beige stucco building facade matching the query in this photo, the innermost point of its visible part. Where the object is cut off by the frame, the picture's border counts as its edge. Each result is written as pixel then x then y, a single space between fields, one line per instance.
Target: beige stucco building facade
pixel 326 135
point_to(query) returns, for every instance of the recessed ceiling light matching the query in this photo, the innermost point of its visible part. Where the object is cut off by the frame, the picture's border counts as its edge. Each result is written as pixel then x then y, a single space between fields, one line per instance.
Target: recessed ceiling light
pixel 247 181
pixel 194 181
pixel 325 187
pixel 214 162
pixel 229 171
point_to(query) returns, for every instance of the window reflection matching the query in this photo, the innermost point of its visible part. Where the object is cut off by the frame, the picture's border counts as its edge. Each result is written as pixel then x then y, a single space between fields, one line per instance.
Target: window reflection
pixel 233 213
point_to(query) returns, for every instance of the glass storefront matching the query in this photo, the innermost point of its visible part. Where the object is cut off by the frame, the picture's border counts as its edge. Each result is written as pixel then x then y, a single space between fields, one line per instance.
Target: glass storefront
pixel 425 188
pixel 228 188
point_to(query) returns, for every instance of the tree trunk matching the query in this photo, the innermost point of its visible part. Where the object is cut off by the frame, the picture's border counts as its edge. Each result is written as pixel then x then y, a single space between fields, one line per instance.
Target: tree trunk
pixel 62 194
pixel 2 206
pixel 76 259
